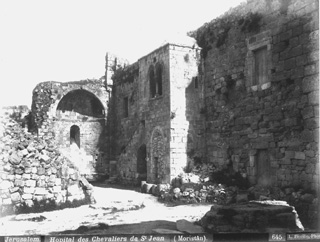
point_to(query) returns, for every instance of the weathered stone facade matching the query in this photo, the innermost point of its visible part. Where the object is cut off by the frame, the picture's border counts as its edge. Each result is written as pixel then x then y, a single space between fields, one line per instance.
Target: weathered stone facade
pixel 261 91
pixel 150 99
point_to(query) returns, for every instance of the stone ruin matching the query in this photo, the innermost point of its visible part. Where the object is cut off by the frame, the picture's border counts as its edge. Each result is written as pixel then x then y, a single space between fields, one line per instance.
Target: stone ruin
pixel 238 104
pixel 35 176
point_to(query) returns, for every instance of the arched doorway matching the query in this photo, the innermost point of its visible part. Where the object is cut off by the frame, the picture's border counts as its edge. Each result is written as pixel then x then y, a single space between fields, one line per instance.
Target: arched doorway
pixel 75 135
pixel 142 162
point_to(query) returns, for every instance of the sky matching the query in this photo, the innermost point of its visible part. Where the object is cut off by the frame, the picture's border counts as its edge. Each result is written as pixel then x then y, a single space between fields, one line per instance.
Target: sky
pixel 67 40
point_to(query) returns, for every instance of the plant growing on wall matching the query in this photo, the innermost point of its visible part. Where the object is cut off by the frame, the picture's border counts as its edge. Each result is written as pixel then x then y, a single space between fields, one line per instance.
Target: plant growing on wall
pixel 250 23
pixel 123 74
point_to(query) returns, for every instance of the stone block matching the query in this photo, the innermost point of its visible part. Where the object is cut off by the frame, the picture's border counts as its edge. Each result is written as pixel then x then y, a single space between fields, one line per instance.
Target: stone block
pixel 15 197
pixel 41 171
pixel 45 158
pixel 40 191
pixel 310 83
pixel 14 189
pixel 14 159
pixel 76 190
pixel 28 190
pixel 26 176
pixel 307 112
pixel 4 185
pixel 290 64
pixel 300 156
pixel 307 136
pixel 6 201
pixel 56 189
pixel 30 183
pixel 18 171
pixel 19 183
pixel 27 196
pixel 310 69
pixel 313 97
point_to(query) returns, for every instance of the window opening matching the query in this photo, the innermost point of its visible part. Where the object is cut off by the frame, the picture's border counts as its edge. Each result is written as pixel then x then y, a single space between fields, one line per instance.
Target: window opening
pixel 260 66
pixel 152 82
pixel 159 80
pixel 75 135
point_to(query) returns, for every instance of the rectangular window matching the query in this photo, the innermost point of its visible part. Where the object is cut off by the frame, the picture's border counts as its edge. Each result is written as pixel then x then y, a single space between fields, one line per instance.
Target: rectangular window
pixel 126 107
pixel 260 66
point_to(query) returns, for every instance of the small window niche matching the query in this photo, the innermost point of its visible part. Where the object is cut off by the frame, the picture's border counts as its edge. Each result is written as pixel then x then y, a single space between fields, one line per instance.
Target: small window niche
pixel 155 76
pixel 260 71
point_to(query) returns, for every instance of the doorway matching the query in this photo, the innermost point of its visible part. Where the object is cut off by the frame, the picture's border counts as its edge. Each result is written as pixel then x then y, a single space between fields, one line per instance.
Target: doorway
pixel 263 168
pixel 75 135
pixel 142 162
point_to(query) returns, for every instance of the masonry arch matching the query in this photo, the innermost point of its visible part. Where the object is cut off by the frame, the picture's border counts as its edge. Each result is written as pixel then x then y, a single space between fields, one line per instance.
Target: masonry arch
pixel 82 102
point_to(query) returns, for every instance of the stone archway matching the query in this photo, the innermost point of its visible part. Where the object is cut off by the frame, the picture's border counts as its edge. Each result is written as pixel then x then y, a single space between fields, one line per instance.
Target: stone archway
pixel 81 102
pixel 157 166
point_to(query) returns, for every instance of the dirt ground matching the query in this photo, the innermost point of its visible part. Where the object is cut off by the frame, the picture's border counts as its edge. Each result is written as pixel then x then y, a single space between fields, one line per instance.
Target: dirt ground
pixel 117 211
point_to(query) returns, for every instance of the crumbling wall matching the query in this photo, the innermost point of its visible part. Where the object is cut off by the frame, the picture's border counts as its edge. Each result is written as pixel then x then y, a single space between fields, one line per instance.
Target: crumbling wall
pixel 263 128
pixel 59 107
pixel 34 176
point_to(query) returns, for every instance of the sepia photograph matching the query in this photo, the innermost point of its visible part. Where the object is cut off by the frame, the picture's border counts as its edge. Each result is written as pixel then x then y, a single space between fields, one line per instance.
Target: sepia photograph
pixel 129 121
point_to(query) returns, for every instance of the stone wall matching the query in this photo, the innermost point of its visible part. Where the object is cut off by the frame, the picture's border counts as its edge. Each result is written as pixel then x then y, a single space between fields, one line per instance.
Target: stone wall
pixel 33 174
pixel 263 122
pixel 158 116
pixel 145 114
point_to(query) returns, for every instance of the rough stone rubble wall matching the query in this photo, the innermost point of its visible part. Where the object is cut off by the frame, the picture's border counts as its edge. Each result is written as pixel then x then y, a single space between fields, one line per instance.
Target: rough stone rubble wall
pixel 32 172
pixel 277 122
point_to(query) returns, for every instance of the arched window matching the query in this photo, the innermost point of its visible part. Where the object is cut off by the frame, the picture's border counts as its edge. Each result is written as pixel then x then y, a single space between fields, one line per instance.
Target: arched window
pixel 152 82
pixel 75 135
pixel 159 80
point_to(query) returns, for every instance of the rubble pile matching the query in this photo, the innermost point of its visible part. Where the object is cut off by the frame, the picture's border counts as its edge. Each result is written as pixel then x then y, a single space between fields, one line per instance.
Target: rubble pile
pixel 33 174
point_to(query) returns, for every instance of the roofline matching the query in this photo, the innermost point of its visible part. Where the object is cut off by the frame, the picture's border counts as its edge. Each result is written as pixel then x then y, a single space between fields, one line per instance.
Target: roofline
pixel 168 44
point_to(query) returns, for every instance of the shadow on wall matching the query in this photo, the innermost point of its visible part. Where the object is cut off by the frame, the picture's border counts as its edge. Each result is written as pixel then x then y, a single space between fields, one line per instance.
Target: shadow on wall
pixel 107 141
pixel 82 102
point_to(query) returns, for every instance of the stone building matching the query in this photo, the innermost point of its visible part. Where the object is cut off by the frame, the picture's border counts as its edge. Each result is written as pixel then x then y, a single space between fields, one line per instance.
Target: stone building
pixel 157 119
pixel 261 64
pixel 245 100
